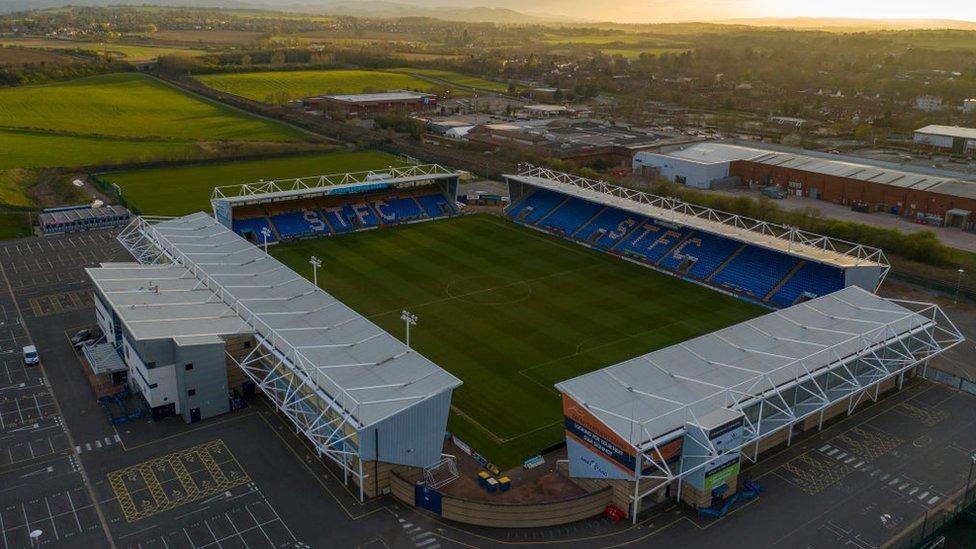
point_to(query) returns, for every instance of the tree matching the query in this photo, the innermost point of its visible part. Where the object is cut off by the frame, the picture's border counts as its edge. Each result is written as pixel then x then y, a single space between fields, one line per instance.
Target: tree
pixel 151 29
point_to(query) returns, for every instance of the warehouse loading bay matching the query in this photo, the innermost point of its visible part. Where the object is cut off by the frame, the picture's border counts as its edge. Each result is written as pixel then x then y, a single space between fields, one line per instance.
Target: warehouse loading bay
pixel 69 478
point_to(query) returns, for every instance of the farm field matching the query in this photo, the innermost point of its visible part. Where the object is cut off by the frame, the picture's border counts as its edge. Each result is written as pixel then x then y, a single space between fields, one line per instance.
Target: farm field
pixel 193 36
pixel 458 79
pixel 634 53
pixel 510 312
pixel 15 57
pixel 130 52
pixel 130 105
pixel 186 189
pixel 38 149
pixel 297 84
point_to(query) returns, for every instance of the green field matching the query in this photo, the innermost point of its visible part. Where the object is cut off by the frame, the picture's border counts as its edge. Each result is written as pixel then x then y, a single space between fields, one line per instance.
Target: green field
pixel 510 312
pixel 29 149
pixel 130 105
pixel 130 52
pixel 297 84
pixel 458 79
pixel 14 225
pixel 634 53
pixel 186 189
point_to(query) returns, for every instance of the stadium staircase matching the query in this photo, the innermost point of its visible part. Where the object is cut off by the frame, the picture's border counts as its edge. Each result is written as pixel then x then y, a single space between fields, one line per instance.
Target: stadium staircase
pixel 796 268
pixel 813 278
pixel 628 235
pixel 725 263
pixel 542 220
pixel 590 220
pixel 274 230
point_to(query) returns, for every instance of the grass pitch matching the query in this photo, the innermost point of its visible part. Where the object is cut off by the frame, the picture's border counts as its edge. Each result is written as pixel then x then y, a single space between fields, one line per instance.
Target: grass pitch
pixel 510 312
pixel 187 189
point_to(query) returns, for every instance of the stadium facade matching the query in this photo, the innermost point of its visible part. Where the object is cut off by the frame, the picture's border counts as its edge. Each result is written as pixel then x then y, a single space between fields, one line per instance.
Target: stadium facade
pixel 676 422
pixel 361 397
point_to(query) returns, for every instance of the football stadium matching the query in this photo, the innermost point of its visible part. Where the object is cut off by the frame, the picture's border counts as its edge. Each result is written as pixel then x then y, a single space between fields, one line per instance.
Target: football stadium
pixel 649 345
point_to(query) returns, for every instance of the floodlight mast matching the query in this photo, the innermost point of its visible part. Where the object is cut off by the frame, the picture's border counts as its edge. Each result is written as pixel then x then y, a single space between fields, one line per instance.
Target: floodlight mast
pixel 315 263
pixel 409 320
pixel 265 232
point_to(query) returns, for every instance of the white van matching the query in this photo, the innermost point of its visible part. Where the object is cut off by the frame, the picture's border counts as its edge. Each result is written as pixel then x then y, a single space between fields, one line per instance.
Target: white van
pixel 30 355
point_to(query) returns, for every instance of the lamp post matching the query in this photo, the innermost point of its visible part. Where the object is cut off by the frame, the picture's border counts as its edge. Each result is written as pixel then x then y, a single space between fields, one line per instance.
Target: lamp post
pixel 408 319
pixel 958 284
pixel 315 263
pixel 265 232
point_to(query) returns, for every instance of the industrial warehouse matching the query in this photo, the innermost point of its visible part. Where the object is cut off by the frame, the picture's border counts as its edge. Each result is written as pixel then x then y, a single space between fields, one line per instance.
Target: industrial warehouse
pixel 948 198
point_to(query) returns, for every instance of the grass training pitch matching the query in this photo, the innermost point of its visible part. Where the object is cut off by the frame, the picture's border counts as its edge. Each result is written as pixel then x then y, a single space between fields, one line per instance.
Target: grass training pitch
pixel 510 311
pixel 297 84
pixel 186 189
pixel 130 105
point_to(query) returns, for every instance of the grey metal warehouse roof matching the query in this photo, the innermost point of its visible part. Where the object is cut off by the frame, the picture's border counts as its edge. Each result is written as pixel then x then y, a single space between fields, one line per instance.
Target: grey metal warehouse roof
pixel 368 372
pixel 651 395
pixel 867 172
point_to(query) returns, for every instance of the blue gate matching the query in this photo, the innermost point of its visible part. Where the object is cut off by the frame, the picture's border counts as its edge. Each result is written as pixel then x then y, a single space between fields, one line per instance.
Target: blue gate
pixel 427 498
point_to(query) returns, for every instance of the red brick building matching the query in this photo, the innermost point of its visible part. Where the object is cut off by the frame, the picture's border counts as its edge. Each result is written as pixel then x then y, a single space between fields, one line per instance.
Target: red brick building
pixel 371 104
pixel 905 193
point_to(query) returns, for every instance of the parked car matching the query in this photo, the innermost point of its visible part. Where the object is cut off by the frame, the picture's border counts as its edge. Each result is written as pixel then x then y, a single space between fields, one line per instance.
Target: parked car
pixel 82 337
pixel 30 355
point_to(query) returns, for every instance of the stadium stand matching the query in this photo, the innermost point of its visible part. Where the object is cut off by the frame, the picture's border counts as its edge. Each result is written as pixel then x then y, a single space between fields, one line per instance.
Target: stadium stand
pixel 436 205
pixel 571 215
pixel 340 214
pixel 608 228
pixel 251 229
pixel 537 205
pixel 755 271
pixel 298 224
pixel 812 279
pixel 764 275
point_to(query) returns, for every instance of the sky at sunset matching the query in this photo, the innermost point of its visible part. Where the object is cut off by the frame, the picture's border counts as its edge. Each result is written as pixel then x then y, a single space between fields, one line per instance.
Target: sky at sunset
pixel 644 11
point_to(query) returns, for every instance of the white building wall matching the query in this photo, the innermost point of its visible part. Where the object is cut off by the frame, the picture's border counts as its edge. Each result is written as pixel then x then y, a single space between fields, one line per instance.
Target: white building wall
pixel 157 385
pixel 943 141
pixel 687 172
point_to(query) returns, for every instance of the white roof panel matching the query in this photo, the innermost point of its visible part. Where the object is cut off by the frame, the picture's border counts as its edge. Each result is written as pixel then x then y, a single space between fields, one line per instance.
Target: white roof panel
pixel 366 370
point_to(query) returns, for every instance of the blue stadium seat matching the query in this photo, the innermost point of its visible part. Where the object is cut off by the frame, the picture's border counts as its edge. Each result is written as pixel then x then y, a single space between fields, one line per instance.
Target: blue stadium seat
pixel 709 250
pixel 756 271
pixel 298 224
pixel 814 278
pixel 252 228
pixel 397 210
pixel 435 205
pixel 541 202
pixel 652 241
pixel 340 223
pixel 612 225
pixel 571 215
